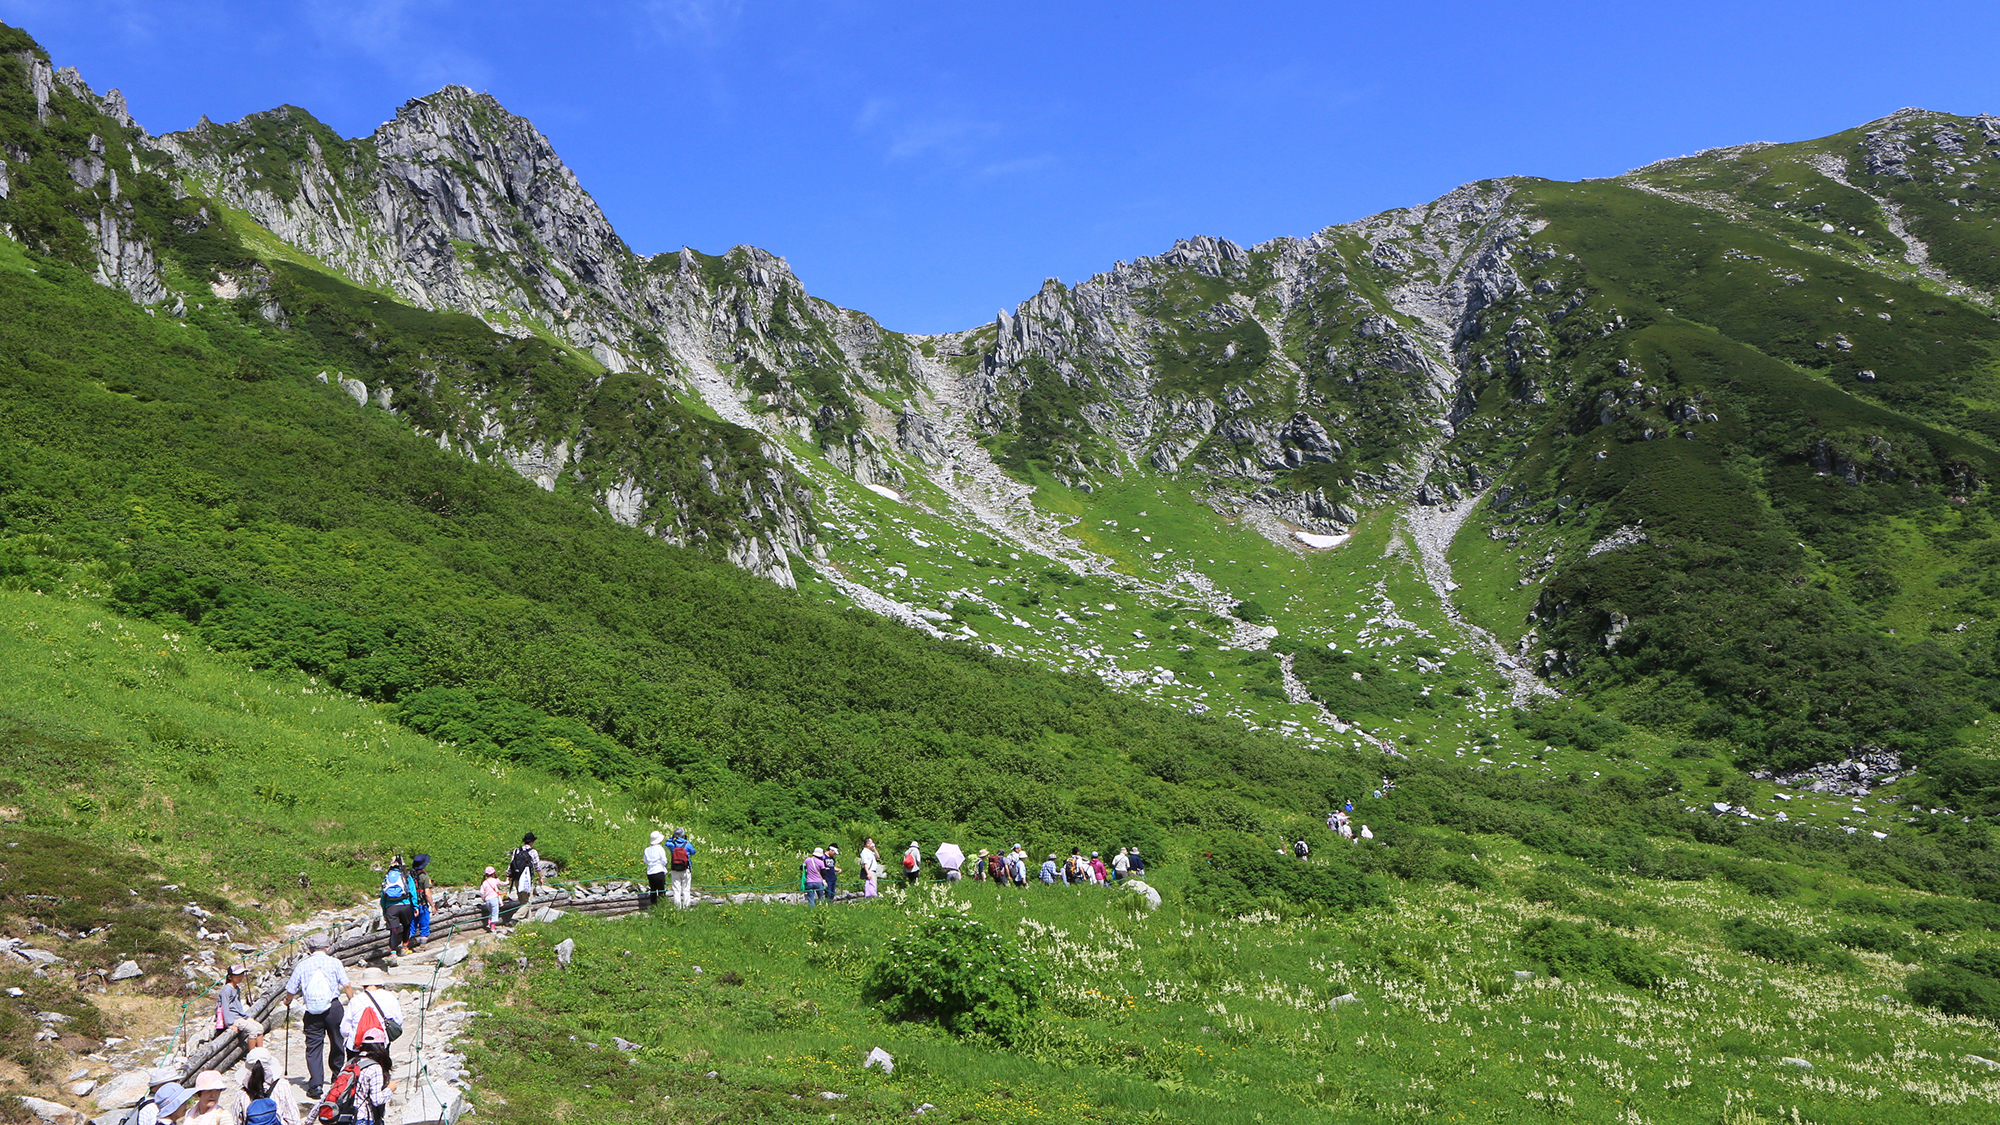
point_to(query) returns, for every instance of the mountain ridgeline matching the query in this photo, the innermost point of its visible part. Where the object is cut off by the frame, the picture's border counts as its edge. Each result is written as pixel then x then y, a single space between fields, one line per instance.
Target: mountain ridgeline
pixel 1709 447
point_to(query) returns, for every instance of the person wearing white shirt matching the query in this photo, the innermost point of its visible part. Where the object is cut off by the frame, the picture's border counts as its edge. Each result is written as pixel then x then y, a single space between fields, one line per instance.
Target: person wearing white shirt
pixel 369 997
pixel 656 868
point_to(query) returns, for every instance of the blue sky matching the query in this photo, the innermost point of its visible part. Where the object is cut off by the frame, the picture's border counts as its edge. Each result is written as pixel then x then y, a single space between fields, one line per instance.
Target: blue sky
pixel 931 162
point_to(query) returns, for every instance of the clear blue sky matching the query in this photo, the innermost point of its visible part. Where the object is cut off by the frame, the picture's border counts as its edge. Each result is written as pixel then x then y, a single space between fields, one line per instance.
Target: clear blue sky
pixel 931 162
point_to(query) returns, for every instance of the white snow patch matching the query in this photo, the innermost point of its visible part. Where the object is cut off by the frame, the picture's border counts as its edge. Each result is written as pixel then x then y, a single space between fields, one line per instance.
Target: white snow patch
pixel 1320 542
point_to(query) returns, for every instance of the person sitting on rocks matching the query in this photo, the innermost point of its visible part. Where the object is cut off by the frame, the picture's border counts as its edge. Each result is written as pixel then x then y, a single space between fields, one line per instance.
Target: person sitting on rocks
pixel 230 1012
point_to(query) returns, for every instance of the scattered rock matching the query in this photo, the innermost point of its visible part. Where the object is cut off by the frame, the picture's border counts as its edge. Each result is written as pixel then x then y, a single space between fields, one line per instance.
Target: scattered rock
pixel 1348 998
pixel 565 949
pixel 877 1057
pixel 1139 887
pixel 1523 974
pixel 126 970
pixel 51 1113
pixel 81 1089
pixel 1800 1063
pixel 1980 1060
pixel 626 1044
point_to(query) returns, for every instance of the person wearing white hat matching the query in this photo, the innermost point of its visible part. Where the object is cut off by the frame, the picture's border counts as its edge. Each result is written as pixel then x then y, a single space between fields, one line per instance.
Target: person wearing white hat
pixel 491 893
pixel 230 1012
pixel 656 868
pixel 814 879
pixel 368 1005
pixel 210 1107
pixel 913 862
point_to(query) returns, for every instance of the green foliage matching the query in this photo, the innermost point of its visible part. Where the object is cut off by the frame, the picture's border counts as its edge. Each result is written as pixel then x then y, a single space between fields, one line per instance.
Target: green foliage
pixel 1237 876
pixel 1967 984
pixel 1572 949
pixel 958 972
pixel 1785 946
pixel 1563 723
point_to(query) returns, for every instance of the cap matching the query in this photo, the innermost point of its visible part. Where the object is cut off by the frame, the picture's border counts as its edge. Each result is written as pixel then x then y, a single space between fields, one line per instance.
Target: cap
pixel 1052 855
pixel 171 1097
pixel 832 849
pixel 208 1080
pixel 318 940
pixel 374 1036
pixel 490 871
pixel 238 969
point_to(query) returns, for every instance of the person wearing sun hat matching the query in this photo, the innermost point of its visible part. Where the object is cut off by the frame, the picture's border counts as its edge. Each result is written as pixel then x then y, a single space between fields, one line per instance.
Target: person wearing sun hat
pixel 230 1012
pixel 210 1106
pixel 491 892
pixel 913 862
pixel 655 858
pixel 374 1084
pixel 170 1103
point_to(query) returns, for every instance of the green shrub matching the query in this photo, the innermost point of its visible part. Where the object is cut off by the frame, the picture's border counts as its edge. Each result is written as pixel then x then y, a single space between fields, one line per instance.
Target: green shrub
pixel 958 972
pixel 1785 946
pixel 1571 949
pixel 1874 939
pixel 1965 985
pixel 1237 877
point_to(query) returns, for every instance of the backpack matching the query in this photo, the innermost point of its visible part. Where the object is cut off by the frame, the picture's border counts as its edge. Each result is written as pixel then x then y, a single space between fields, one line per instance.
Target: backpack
pixel 337 1108
pixel 1299 849
pixel 1075 869
pixel 318 989
pixel 517 864
pixel 909 862
pixel 263 1111
pixel 395 888
pixel 998 865
pixel 679 857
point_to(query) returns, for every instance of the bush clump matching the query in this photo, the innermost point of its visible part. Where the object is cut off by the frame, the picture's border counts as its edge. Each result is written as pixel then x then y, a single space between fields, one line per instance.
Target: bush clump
pixel 1787 947
pixel 1965 985
pixel 1237 878
pixel 958 972
pixel 1572 949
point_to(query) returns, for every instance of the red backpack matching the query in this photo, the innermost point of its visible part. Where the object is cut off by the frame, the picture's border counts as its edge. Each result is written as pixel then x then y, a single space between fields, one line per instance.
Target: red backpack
pixel 679 861
pixel 338 1105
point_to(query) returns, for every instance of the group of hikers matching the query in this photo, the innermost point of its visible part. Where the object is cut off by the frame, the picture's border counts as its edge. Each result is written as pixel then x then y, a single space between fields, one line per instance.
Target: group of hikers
pixel 820 872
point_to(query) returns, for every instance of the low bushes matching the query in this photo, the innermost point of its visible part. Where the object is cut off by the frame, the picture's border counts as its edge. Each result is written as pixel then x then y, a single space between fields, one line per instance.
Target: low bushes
pixel 1572 949
pixel 1777 943
pixel 959 972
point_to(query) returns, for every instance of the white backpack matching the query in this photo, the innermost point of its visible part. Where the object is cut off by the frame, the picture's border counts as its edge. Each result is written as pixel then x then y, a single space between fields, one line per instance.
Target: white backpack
pixel 319 989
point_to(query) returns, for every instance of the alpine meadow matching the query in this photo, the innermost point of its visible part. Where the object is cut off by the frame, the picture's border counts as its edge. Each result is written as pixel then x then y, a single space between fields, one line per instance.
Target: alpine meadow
pixel 1622 557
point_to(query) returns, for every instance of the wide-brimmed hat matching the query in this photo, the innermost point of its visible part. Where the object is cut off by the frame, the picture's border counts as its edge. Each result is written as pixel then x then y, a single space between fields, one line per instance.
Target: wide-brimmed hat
pixel 659 836
pixel 982 851
pixel 209 1080
pixel 421 861
pixel 364 977
pixel 171 1097
pixel 820 852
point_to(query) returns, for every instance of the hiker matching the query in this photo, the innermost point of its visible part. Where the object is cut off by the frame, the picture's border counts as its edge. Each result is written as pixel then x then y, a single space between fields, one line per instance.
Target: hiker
pixel 490 893
pixel 913 863
pixel 997 868
pixel 1049 874
pixel 524 870
pixel 871 868
pixel 318 978
pixel 230 1013
pixel 1121 865
pixel 1097 872
pixel 170 1103
pixel 656 868
pixel 832 871
pixel 1137 864
pixel 680 867
pixel 208 1105
pixel 369 1005
pixel 420 873
pixel 374 1084
pixel 1300 849
pixel 814 879
pixel 399 906
pixel 1017 866
pixel 977 868
pixel 1365 834
pixel 950 860
pixel 1073 871
pixel 273 1100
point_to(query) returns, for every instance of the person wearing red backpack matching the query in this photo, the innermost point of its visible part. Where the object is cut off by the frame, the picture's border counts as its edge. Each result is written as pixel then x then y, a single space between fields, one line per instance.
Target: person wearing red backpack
pixel 373 1084
pixel 680 865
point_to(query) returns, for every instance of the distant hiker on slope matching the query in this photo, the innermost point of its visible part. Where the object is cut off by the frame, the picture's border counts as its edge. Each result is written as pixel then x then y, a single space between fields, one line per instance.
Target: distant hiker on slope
pixel 524 870
pixel 680 867
pixel 813 879
pixel 1121 864
pixel 490 893
pixel 832 871
pixel 1049 872
pixel 318 979
pixel 913 863
pixel 420 875
pixel 871 868
pixel 1097 872
pixel 656 868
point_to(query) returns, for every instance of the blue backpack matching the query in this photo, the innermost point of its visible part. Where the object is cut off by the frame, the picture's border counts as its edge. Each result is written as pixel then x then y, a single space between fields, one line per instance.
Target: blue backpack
pixel 263 1111
pixel 395 888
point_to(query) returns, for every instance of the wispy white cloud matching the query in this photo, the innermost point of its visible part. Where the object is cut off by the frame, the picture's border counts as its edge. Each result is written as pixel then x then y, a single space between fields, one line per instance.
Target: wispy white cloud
pixel 943 140
pixel 399 37
pixel 699 23
pixel 1024 166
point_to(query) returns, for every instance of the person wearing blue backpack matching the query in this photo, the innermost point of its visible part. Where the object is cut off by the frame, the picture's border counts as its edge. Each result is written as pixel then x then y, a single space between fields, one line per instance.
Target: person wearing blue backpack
pixel 399 906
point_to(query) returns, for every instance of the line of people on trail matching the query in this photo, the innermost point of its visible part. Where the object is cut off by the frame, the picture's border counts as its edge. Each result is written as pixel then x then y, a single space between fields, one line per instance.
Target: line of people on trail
pixel 819 873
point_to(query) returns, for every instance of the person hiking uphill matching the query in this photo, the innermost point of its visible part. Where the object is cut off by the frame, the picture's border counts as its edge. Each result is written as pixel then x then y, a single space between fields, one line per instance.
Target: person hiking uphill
pixel 371 1096
pixel 656 868
pixel 524 870
pixel 318 979
pixel 680 868
pixel 399 906
pixel 420 878
pixel 490 892
pixel 913 863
